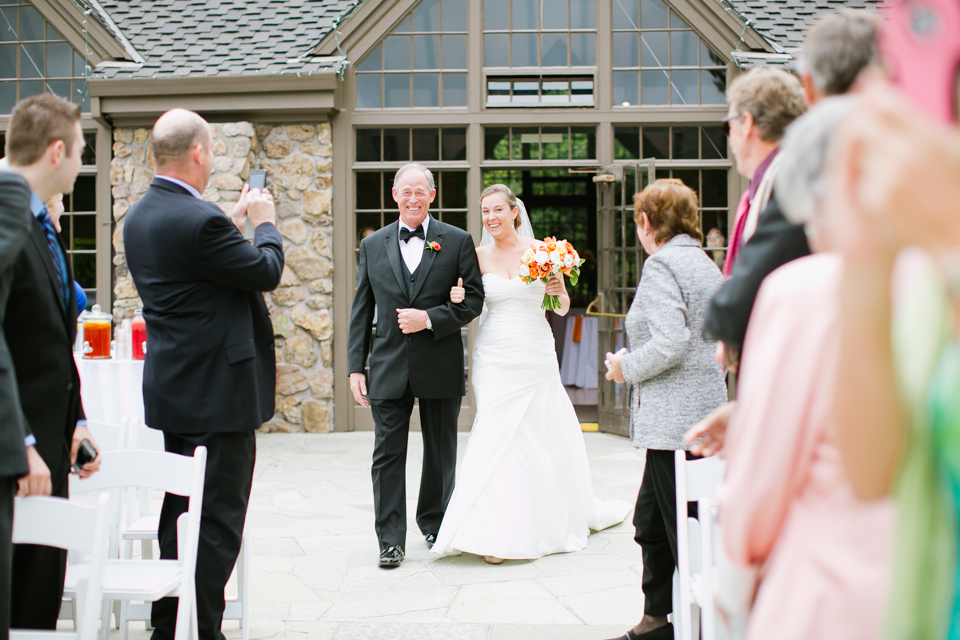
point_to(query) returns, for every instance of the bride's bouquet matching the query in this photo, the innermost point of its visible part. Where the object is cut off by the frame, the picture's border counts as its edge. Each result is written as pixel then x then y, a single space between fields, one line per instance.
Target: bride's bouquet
pixel 543 261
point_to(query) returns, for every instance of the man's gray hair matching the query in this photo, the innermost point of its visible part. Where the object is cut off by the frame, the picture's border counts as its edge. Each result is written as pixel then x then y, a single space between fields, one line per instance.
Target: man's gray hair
pixel 177 138
pixel 838 47
pixel 419 167
pixel 806 150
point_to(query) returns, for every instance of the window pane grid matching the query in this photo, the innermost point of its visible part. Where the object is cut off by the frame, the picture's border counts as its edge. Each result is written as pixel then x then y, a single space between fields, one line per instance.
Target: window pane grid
pixel 35 59
pixel 419 64
pixel 540 143
pixel 705 142
pixel 547 91
pixel 417 144
pixel 539 33
pixel 375 207
pixel 659 60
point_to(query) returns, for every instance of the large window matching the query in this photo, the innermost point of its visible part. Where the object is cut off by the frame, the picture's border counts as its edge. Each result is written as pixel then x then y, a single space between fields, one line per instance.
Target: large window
pixel 420 144
pixel 669 143
pixel 539 33
pixel 376 208
pixel 35 59
pixel 78 223
pixel 658 59
pixel 539 143
pixel 422 63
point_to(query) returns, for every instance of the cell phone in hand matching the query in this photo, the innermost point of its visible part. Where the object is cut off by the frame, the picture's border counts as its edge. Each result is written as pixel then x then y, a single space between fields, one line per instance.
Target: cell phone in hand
pixel 85 453
pixel 258 179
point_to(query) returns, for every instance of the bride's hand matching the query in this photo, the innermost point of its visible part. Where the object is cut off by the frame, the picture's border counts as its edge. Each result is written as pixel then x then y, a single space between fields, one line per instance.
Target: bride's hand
pixel 555 286
pixel 458 292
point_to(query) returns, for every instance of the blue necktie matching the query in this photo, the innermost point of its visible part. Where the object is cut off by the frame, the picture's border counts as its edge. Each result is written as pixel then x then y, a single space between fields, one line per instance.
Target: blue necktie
pixel 58 260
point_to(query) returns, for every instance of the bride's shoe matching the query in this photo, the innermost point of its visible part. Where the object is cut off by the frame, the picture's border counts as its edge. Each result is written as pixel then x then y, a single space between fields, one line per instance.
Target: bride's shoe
pixel 492 560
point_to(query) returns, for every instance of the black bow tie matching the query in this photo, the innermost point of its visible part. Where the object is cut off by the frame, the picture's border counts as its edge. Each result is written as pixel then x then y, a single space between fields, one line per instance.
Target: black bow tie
pixel 406 233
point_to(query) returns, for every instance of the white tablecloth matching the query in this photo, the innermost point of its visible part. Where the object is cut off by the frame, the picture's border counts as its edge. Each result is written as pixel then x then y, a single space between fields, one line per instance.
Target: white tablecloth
pixel 579 365
pixel 111 389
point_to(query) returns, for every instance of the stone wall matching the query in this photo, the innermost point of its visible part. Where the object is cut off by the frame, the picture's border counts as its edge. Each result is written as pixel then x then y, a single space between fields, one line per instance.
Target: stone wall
pixel 298 161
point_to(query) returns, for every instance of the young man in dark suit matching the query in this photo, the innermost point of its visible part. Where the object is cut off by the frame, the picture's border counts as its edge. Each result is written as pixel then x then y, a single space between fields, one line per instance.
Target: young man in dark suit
pixel 44 143
pixel 209 377
pixel 14 231
pixel 405 275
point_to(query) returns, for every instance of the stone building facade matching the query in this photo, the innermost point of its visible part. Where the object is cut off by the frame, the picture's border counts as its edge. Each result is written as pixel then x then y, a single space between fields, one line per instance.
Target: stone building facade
pixel 298 162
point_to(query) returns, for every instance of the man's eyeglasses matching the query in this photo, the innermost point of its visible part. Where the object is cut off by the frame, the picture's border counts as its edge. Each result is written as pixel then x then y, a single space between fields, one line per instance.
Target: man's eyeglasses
pixel 726 123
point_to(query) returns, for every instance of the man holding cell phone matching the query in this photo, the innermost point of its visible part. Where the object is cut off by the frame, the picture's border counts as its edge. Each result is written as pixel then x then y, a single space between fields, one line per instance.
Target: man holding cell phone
pixel 210 374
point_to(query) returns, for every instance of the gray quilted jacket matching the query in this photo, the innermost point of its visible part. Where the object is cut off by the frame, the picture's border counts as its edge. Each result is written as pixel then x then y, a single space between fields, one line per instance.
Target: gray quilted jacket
pixel 676 379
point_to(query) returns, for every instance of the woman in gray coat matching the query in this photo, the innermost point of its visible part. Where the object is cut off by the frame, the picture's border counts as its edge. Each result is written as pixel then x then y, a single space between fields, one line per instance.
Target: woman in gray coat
pixel 676 381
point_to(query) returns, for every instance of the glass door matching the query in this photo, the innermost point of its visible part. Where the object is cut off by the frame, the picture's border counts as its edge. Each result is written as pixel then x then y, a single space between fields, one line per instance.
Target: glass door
pixel 620 261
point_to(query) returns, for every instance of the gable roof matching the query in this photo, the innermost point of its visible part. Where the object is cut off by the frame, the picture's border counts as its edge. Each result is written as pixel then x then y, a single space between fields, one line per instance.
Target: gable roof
pixel 223 37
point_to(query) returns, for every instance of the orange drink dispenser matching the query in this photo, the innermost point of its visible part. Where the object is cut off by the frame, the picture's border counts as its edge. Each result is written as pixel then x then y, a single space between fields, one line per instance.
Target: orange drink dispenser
pixel 138 332
pixel 96 334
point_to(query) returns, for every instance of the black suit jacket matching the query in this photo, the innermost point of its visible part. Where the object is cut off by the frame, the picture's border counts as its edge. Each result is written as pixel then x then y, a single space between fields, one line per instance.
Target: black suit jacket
pixel 431 361
pixel 774 243
pixel 14 231
pixel 210 364
pixel 41 327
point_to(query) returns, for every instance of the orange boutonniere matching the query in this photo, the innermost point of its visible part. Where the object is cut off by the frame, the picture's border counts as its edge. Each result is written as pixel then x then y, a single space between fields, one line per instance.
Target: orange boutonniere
pixel 433 246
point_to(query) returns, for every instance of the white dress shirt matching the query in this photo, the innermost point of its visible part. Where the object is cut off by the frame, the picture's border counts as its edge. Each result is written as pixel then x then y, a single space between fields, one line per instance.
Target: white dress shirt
pixel 193 192
pixel 412 249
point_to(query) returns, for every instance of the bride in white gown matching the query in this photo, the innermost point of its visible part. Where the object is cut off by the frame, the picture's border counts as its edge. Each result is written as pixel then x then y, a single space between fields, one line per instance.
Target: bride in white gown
pixel 524 488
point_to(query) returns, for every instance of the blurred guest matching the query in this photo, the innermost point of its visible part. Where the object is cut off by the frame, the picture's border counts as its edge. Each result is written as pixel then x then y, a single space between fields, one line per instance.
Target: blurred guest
pixel 801 553
pixel 55 209
pixel 209 377
pixel 15 222
pixel 715 240
pixel 675 378
pixel 897 399
pixel 44 143
pixel 838 49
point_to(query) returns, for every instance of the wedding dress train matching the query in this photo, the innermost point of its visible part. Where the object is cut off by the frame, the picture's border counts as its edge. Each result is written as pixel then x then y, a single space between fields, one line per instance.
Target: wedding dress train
pixel 524 488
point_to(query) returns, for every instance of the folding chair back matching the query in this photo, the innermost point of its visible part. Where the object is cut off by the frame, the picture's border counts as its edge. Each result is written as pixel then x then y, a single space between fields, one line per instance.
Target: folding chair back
pixel 696 481
pixel 109 437
pixel 56 522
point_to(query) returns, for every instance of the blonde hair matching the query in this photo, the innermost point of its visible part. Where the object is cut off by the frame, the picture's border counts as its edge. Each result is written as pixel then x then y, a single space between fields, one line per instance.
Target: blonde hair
pixel 508 196
pixel 671 208
pixel 772 96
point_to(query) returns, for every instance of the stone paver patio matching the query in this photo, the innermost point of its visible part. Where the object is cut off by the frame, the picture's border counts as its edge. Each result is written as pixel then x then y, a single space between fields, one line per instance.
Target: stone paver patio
pixel 314 557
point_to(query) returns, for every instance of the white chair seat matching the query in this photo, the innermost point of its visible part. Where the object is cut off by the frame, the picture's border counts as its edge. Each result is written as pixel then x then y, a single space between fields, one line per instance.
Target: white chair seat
pixel 30 634
pixel 144 528
pixel 131 579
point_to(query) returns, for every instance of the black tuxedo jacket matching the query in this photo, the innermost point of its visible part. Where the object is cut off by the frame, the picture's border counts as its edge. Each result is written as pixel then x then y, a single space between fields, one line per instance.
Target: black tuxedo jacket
pixel 14 232
pixel 775 242
pixel 40 327
pixel 210 364
pixel 431 361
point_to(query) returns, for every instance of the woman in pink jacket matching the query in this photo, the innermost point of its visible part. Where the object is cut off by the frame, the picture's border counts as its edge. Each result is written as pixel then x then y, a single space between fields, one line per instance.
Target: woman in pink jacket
pixel 802 557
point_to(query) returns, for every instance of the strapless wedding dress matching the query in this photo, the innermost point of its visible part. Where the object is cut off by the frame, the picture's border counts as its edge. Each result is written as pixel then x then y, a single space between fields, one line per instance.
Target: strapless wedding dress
pixel 523 490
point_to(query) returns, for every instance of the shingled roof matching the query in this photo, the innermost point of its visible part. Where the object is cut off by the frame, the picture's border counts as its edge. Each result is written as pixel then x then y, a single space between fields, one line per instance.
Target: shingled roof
pixel 242 37
pixel 784 22
pixel 223 37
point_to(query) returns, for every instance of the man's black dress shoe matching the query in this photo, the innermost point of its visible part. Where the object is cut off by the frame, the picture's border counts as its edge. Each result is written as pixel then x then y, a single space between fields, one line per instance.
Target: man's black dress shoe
pixel 660 633
pixel 431 539
pixel 391 557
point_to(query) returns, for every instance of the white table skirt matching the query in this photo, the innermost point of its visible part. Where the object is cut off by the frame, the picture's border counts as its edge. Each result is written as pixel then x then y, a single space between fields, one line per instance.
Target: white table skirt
pixel 111 389
pixel 579 365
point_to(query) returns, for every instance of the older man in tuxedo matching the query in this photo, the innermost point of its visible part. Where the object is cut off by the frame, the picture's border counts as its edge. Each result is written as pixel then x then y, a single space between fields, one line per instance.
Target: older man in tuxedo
pixel 209 375
pixel 405 275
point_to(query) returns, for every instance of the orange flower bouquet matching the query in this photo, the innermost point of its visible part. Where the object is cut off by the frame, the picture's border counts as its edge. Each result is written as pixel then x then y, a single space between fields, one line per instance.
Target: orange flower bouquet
pixel 543 261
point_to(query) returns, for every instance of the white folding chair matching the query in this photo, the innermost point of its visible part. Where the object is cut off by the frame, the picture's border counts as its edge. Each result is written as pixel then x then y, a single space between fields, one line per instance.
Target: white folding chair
pixel 142 525
pixel 150 580
pixel 697 481
pixel 109 437
pixel 56 522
